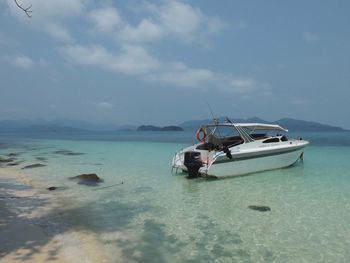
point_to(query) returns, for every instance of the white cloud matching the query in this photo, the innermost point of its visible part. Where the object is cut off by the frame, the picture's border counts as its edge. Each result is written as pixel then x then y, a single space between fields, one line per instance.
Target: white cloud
pixel 105 105
pixel 146 31
pixel 179 74
pixel 59 32
pixel 179 17
pixel 105 19
pixel 91 55
pixel 171 18
pixel 177 20
pixel 25 62
pixel 47 15
pixel 310 37
pixel 135 60
pixel 242 85
pixel 47 10
pixel 185 21
pixel 131 60
pixel 22 61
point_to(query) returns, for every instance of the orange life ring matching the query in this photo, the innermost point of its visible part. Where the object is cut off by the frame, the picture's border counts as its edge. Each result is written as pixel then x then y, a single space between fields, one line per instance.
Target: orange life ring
pixel 198 135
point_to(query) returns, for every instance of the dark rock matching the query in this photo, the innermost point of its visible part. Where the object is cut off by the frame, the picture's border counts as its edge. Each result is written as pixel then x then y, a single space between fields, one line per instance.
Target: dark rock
pixel 260 208
pixel 6 160
pixel 89 163
pixel 36 165
pixel 13 163
pixel 12 154
pixel 52 188
pixel 88 183
pixel 67 152
pixel 88 179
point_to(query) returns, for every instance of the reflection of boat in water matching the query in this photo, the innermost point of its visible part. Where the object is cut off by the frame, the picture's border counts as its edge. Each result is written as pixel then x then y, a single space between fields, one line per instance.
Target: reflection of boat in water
pixel 230 149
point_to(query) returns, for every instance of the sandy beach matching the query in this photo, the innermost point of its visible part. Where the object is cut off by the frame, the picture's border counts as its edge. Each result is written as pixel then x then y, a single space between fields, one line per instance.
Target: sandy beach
pixel 30 227
pixel 21 238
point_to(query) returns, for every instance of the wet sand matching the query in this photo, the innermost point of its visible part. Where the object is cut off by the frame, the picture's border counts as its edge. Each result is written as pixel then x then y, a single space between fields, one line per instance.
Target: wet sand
pixel 30 225
pixel 21 238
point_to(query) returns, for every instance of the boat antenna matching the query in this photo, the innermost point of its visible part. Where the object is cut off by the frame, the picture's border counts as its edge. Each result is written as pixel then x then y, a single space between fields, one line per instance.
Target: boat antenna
pixel 215 119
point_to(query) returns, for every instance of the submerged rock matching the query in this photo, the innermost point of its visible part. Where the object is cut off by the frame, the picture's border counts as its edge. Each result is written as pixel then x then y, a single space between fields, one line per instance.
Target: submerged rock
pixel 6 160
pixel 67 152
pixel 52 188
pixel 260 208
pixel 41 158
pixel 13 163
pixel 12 154
pixel 36 165
pixel 88 179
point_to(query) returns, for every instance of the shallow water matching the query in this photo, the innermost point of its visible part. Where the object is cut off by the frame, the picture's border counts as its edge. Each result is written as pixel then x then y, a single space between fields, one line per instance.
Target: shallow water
pixel 155 216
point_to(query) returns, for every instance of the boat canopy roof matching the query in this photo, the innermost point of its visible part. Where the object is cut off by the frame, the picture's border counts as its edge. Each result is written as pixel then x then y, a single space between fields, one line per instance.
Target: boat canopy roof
pixel 260 126
pixel 252 126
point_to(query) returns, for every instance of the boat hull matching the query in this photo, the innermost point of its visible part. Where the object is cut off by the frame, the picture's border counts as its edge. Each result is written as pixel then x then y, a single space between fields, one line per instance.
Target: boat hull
pixel 242 166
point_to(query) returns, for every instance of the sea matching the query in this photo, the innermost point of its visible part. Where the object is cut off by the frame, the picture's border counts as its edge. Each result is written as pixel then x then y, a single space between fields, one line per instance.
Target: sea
pixel 148 213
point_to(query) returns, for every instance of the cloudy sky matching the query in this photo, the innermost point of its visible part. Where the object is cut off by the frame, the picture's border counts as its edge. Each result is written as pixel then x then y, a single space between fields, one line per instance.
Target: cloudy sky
pixel 162 61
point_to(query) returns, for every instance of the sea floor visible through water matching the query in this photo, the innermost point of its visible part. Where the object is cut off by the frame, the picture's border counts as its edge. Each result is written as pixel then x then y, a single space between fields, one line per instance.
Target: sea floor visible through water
pixel 141 212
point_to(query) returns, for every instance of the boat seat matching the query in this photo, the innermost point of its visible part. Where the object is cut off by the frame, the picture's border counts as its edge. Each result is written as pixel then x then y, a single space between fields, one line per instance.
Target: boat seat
pixel 216 142
pixel 225 142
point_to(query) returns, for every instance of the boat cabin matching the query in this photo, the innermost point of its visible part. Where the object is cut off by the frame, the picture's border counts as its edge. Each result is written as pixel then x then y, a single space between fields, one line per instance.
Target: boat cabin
pixel 227 135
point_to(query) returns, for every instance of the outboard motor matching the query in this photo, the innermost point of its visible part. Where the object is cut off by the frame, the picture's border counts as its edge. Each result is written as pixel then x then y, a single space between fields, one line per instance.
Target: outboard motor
pixel 193 162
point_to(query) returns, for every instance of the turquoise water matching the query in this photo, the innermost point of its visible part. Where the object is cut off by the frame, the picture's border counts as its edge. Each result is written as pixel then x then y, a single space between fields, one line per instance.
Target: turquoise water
pixel 155 216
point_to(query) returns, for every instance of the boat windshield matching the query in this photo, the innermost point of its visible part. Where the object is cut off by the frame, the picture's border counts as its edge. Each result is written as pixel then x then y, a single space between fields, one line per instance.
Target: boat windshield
pixel 263 134
pixel 222 131
pixel 221 136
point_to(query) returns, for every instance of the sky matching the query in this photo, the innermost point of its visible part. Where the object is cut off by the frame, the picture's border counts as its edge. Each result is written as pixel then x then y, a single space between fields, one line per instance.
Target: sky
pixel 163 61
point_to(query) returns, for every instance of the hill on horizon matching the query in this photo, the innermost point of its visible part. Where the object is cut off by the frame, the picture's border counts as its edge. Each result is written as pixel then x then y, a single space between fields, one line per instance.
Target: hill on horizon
pixel 71 126
pixel 288 123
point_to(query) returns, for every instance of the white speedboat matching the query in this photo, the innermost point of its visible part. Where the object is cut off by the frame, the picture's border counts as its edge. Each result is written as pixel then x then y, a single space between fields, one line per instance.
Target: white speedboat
pixel 231 149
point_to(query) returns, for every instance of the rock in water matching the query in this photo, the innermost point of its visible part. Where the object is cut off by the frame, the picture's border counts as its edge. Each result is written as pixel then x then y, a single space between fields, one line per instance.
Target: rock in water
pixel 13 163
pixel 67 152
pixel 58 188
pixel 6 160
pixel 12 154
pixel 260 208
pixel 36 165
pixel 88 179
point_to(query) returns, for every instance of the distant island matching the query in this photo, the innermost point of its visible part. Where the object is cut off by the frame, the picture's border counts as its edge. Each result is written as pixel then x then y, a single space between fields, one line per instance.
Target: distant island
pixel 156 128
pixel 63 126
pixel 288 123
